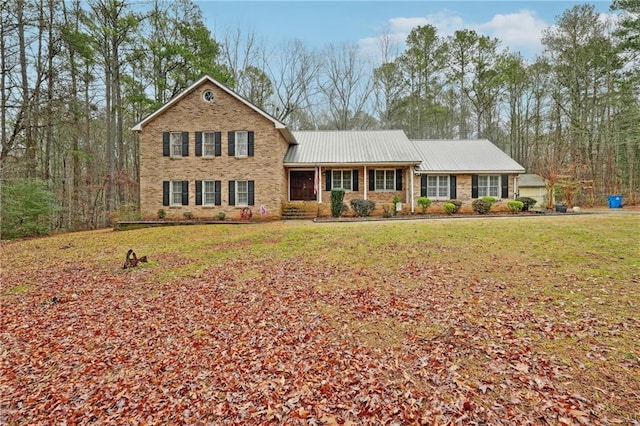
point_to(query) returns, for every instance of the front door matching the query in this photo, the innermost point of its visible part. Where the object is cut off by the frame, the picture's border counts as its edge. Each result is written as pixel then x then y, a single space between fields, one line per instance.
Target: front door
pixel 301 185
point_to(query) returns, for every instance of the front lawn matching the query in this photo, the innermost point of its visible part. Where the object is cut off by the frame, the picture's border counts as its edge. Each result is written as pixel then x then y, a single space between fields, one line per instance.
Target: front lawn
pixel 487 320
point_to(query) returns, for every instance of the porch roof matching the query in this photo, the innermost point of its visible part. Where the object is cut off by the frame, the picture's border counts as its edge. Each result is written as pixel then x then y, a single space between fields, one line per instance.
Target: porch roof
pixel 459 156
pixel 374 147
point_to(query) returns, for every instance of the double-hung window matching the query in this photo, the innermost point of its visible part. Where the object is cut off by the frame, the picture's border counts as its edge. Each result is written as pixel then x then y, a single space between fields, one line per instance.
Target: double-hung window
pixel 209 193
pixel 242 144
pixel 176 193
pixel 438 187
pixel 385 180
pixel 176 144
pixel 208 144
pixel 342 179
pixel 242 193
pixel 489 186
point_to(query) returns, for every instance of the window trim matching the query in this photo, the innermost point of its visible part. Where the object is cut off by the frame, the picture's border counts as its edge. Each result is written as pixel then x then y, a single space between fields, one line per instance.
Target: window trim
pixel 173 193
pixel 205 144
pixel 487 187
pixel 237 133
pixel 342 174
pixel 213 193
pixel 173 146
pixel 439 186
pixel 386 181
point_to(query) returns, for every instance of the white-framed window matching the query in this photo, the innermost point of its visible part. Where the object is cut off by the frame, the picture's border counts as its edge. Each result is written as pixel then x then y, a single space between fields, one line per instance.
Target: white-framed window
pixel 242 193
pixel 242 144
pixel 175 194
pixel 176 144
pixel 385 180
pixel 438 187
pixel 208 193
pixel 489 186
pixel 208 144
pixel 342 179
pixel 208 96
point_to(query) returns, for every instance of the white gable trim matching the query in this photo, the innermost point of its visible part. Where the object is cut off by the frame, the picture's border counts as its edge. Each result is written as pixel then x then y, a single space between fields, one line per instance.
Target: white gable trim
pixel 277 124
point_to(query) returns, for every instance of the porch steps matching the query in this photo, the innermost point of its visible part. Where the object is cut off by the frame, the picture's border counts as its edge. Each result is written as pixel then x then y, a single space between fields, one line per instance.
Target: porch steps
pixel 294 212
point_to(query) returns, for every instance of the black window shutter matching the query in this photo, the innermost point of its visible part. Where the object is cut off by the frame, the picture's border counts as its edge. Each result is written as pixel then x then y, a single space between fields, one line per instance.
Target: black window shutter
pixel 250 144
pixel 198 193
pixel 474 186
pixel 232 144
pixel 423 185
pixel 165 193
pixel 372 180
pixel 166 149
pixel 250 190
pixel 452 188
pixel 354 180
pixel 398 179
pixel 198 144
pixel 217 187
pixel 185 192
pixel 232 192
pixel 218 144
pixel 327 179
pixel 185 144
pixel 505 186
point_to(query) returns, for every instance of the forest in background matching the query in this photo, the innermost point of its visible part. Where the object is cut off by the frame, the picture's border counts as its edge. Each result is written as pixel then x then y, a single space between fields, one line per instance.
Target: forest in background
pixel 77 75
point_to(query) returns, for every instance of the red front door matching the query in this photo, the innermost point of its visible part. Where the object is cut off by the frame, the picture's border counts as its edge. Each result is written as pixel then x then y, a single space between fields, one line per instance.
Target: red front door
pixel 301 185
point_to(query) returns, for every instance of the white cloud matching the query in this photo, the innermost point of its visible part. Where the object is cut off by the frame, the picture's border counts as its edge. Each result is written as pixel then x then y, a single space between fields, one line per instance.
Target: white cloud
pixel 521 31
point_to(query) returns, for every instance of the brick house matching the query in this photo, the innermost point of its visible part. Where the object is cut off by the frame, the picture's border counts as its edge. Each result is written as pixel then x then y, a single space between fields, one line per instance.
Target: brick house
pixel 209 150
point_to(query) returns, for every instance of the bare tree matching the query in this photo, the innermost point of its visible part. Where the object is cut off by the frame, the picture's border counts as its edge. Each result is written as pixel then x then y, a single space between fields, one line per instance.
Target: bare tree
pixel 345 84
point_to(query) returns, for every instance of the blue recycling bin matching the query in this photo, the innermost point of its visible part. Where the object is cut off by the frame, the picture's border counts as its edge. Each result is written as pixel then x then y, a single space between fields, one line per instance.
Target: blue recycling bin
pixel 615 201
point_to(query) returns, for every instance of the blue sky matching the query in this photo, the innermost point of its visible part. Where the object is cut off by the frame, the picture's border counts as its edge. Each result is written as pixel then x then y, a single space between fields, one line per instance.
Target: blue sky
pixel 518 24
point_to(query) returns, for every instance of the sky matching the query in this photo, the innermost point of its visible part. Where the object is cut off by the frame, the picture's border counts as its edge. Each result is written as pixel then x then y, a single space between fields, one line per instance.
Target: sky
pixel 518 24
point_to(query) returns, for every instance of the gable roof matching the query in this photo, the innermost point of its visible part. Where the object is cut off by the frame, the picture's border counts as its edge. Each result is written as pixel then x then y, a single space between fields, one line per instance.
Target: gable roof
pixel 278 124
pixel 455 156
pixel 335 147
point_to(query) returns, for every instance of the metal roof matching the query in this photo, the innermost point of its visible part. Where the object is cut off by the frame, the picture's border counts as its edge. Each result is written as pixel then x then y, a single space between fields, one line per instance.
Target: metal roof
pixel 455 156
pixel 332 147
pixel 531 180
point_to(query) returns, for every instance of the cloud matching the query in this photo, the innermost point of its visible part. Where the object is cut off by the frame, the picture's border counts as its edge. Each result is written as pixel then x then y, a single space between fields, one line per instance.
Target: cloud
pixel 521 31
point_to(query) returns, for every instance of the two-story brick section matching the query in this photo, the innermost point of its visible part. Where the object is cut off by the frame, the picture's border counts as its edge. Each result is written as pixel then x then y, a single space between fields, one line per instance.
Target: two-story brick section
pixel 209 150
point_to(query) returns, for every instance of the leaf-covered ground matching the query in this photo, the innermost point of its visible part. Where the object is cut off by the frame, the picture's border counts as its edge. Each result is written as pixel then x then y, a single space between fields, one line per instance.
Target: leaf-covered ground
pixel 481 321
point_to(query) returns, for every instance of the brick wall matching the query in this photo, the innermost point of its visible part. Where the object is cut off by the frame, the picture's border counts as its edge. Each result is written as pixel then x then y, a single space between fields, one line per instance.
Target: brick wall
pixel 224 114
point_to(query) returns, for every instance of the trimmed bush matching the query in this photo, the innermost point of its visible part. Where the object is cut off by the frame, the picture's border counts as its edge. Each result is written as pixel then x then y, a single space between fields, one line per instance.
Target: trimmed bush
pixel 161 214
pixel 449 208
pixel 457 204
pixel 490 200
pixel 188 215
pixel 515 206
pixel 219 216
pixel 337 203
pixel 362 208
pixel 527 202
pixel 481 206
pixel 424 203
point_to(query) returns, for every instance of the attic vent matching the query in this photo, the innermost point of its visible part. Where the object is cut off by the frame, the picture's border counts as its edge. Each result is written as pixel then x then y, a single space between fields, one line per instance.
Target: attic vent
pixel 207 96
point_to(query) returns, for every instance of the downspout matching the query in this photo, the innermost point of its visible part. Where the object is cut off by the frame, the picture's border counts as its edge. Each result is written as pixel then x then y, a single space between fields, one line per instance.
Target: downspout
pixel 319 171
pixel 366 184
pixel 413 209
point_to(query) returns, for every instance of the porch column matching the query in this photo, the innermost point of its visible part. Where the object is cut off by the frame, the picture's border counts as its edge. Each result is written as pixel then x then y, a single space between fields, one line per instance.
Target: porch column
pixel 319 172
pixel 366 183
pixel 413 209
